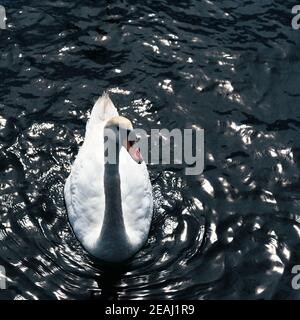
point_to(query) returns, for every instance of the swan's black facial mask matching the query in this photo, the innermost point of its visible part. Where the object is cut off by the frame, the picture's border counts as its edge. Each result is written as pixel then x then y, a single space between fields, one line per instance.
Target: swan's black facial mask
pixel 132 137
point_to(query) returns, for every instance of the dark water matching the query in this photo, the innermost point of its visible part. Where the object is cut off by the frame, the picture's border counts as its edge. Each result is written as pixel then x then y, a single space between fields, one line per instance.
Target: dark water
pixel 230 67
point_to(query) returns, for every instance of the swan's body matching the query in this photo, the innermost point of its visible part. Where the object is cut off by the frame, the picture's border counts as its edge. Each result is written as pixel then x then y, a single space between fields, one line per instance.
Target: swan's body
pixel 109 205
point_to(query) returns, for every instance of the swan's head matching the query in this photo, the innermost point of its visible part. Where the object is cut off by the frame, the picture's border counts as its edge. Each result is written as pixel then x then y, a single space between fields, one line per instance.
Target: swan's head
pixel 122 131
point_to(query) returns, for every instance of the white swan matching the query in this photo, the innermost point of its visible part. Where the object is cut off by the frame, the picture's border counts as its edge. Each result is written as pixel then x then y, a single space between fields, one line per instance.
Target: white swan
pixel 109 206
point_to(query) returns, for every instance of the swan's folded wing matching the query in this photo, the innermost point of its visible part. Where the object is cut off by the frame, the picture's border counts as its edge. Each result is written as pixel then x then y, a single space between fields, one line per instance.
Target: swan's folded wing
pixel 84 195
pixel 137 202
pixel 103 109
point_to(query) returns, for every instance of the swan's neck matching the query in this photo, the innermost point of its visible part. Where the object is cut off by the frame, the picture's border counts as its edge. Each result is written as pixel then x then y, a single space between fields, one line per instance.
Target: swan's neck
pixel 113 233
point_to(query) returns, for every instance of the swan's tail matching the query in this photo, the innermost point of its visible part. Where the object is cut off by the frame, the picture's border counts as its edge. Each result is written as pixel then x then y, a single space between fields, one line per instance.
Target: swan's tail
pixel 103 109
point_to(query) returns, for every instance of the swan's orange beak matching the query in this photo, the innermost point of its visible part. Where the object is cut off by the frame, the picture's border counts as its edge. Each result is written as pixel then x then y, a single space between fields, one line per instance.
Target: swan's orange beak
pixel 134 152
pixel 132 146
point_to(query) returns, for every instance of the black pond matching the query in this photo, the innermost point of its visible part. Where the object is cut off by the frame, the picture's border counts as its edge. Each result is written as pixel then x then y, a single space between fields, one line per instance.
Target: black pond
pixel 231 67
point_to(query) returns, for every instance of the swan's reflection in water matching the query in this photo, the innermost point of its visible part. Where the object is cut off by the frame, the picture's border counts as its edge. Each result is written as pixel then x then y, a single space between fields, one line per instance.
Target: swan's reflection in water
pixel 108 281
